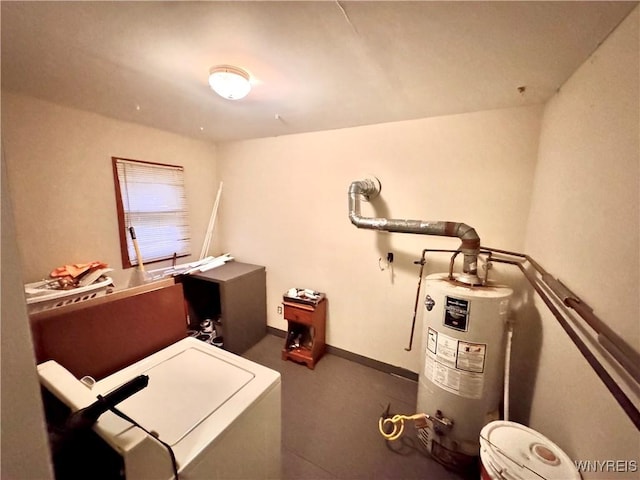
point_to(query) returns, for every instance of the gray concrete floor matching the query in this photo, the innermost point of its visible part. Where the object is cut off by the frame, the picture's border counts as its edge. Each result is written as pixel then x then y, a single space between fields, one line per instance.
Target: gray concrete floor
pixel 330 420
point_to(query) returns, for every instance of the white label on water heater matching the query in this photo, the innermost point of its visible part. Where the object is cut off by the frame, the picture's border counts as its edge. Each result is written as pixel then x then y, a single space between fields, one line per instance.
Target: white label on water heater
pixel 471 356
pixel 454 365
pixel 446 350
pixel 432 340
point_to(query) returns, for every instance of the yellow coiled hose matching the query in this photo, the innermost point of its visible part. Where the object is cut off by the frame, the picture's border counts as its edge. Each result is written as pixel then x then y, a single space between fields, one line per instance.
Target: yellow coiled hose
pixel 397 423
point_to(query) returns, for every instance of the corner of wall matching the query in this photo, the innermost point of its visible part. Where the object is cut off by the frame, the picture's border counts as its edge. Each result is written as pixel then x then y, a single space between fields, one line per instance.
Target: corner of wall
pixel 583 227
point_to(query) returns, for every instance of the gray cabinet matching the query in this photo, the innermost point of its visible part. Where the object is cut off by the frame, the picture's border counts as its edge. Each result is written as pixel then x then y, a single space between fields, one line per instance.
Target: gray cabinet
pixel 235 294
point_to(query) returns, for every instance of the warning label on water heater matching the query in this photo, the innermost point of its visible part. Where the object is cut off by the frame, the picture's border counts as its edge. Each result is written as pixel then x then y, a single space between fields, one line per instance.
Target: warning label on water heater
pixel 455 365
pixel 456 313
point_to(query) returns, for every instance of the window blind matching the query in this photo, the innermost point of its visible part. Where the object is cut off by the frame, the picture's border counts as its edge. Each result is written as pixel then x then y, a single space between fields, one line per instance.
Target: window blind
pixel 153 201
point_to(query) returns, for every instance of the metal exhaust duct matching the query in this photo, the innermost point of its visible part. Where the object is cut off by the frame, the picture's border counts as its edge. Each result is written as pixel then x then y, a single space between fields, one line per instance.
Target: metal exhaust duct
pixel 369 188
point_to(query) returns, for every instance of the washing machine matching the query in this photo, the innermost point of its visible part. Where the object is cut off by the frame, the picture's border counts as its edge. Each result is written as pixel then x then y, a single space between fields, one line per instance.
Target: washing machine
pixel 219 413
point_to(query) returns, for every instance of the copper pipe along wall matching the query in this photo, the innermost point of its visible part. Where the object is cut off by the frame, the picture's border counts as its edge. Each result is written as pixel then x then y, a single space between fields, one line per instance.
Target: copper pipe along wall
pixel 422 262
pixel 632 368
pixel 370 188
pixel 622 399
pixel 619 349
pixel 604 332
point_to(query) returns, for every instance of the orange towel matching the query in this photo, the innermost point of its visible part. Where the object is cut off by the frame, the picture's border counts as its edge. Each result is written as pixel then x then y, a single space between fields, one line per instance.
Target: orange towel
pixel 76 269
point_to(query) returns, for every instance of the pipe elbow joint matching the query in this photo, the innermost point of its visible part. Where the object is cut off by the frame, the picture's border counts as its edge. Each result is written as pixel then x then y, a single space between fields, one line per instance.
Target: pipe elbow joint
pixel 470 239
pixel 369 188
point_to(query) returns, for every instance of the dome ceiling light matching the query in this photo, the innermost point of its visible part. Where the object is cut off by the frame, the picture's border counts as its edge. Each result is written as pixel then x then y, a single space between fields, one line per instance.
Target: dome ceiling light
pixel 229 82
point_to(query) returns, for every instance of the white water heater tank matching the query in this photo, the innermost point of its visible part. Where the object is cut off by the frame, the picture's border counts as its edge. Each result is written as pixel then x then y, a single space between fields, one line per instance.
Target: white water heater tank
pixel 461 377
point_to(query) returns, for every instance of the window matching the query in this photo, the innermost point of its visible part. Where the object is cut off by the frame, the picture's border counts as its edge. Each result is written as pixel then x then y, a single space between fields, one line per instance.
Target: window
pixel 151 198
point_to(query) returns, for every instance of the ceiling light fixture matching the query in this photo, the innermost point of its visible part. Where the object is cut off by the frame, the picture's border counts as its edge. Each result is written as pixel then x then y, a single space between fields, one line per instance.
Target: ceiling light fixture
pixel 229 82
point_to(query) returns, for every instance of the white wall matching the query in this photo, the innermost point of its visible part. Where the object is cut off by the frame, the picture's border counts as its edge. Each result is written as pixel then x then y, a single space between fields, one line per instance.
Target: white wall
pixel 285 206
pixel 61 181
pixel 584 228
pixel 25 451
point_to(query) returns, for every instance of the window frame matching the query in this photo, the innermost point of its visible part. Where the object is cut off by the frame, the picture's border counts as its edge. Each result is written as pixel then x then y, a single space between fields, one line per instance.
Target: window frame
pixel 123 228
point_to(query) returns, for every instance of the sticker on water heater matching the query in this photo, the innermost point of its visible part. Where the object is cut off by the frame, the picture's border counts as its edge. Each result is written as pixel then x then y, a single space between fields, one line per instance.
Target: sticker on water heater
pixel 432 340
pixel 461 383
pixel 471 356
pixel 447 350
pixel 456 314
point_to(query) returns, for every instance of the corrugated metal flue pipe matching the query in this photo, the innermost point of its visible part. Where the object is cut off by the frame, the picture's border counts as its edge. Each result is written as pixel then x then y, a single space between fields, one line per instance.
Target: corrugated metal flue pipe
pixel 370 188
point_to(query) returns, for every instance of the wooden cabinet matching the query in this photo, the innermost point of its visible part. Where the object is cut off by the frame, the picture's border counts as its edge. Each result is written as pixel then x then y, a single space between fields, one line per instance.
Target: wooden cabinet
pixel 236 295
pixel 305 341
pixel 100 336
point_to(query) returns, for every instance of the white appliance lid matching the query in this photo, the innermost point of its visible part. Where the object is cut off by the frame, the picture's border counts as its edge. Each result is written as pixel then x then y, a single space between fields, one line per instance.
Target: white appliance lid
pixel 517 451
pixel 183 390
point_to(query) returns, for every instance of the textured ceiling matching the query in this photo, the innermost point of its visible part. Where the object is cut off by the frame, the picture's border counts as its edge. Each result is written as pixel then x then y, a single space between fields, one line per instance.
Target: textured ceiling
pixel 314 65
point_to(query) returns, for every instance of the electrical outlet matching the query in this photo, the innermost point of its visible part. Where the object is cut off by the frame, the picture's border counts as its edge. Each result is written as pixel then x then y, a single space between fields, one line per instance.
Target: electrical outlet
pixel 279 309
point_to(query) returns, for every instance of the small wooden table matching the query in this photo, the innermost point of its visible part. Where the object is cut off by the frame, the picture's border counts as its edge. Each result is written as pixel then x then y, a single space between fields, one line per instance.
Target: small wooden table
pixel 305 341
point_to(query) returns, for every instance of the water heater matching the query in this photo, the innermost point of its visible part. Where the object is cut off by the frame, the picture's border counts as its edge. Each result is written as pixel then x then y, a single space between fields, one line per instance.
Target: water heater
pixel 461 375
